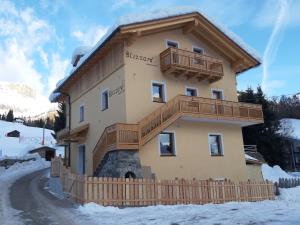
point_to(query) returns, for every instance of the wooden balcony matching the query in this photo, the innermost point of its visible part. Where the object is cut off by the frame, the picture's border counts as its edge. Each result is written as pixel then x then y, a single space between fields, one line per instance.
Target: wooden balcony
pixel 131 136
pixel 77 134
pixel 117 136
pixel 191 65
pixel 198 108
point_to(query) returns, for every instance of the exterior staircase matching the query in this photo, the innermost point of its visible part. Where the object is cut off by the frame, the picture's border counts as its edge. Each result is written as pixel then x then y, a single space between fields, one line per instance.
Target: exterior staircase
pixel 122 136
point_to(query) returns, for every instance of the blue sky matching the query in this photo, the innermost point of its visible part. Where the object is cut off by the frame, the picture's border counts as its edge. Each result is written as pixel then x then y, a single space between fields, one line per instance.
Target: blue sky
pixel 37 38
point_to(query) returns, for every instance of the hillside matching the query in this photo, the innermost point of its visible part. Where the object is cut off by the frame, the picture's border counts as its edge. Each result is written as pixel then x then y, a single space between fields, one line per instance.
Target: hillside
pixel 30 138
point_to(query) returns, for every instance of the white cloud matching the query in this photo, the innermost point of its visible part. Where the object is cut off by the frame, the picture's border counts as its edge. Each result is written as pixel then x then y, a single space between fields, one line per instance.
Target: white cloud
pixel 267 16
pixel 23 41
pixel 270 52
pixel 57 71
pixel 90 36
pixel 123 3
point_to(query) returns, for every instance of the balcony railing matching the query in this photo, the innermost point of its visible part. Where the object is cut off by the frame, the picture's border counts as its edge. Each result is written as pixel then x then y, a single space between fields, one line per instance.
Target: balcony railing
pixel 132 136
pixel 117 136
pixel 191 65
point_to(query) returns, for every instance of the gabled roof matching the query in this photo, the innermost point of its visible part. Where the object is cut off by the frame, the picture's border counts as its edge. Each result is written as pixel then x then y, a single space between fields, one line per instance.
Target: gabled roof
pixel 237 53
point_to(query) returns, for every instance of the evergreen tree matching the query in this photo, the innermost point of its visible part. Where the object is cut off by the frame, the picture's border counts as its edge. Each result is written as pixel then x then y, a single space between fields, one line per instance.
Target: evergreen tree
pixel 10 116
pixel 266 136
pixel 60 119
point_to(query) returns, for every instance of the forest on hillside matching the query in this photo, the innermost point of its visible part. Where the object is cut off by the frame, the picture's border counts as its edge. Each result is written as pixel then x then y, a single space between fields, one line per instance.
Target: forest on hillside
pixel 270 137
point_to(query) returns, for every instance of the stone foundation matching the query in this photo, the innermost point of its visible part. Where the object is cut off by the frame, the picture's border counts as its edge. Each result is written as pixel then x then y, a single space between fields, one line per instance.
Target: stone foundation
pixel 118 163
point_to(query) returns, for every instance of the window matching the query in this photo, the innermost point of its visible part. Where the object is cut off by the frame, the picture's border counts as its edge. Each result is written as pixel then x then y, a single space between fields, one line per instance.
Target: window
pixel 172 44
pixel 191 92
pixel 158 92
pixel 198 50
pixel 81 113
pixel 217 94
pixel 104 100
pixel 215 145
pixel 167 144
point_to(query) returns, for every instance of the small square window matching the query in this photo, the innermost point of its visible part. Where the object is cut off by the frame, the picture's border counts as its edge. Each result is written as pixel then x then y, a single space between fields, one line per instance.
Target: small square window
pixel 172 44
pixel 158 92
pixel 217 95
pixel 81 113
pixel 198 50
pixel 167 144
pixel 104 100
pixel 215 145
pixel 191 92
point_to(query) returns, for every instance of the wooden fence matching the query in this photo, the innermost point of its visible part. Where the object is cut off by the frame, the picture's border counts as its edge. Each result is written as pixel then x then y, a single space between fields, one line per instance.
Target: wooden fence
pixel 144 192
pixel 288 183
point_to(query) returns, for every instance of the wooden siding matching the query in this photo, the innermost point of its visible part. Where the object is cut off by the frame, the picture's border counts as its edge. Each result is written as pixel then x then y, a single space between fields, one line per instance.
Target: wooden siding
pixel 98 71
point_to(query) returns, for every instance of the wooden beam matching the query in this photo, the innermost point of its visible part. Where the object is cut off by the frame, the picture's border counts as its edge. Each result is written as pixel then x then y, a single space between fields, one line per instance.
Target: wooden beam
pixel 237 64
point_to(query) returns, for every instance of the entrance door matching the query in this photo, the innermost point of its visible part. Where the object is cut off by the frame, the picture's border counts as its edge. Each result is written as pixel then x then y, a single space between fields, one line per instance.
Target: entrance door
pixel 81 160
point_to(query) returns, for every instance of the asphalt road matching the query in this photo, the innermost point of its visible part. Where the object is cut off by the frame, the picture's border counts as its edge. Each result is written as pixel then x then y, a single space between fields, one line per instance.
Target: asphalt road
pixel 37 205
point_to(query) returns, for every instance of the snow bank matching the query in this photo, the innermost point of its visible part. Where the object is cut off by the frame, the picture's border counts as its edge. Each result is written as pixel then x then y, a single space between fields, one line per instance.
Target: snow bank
pixel 284 210
pixel 273 173
pixel 290 194
pixel 9 215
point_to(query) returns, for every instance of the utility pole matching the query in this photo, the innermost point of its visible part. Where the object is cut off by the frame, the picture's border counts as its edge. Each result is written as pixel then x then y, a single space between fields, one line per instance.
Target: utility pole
pixel 43 140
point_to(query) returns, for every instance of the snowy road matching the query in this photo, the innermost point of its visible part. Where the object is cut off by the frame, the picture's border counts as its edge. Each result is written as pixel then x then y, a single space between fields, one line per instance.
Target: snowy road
pixel 29 203
pixel 38 206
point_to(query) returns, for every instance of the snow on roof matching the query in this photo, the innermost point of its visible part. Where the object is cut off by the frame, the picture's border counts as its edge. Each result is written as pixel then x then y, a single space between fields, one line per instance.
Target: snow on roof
pixel 250 158
pixel 79 52
pixel 290 127
pixel 156 15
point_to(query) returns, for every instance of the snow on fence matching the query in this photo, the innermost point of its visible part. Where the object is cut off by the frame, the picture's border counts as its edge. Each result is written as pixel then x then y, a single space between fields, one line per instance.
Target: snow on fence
pixel 144 192
pixel 288 183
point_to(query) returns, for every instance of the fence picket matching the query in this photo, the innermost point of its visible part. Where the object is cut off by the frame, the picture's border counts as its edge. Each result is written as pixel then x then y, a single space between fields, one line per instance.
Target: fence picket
pixel 143 192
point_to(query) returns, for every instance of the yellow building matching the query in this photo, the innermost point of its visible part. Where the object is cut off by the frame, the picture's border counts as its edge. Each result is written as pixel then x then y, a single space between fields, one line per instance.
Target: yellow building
pixel 158 98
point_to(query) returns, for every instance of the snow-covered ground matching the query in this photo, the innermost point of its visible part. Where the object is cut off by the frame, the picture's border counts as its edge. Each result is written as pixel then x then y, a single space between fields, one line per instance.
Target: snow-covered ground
pixel 274 173
pixel 284 210
pixel 7 178
pixel 30 138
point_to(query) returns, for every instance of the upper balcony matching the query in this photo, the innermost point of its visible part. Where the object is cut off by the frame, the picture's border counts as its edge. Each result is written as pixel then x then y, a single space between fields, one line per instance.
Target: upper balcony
pixel 191 65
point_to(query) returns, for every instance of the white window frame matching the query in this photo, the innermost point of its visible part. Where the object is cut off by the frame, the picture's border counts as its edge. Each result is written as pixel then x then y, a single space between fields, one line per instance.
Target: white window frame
pixel 195 46
pixel 164 85
pixel 192 88
pixel 222 143
pixel 101 102
pixel 175 148
pixel 172 41
pixel 217 89
pixel 83 119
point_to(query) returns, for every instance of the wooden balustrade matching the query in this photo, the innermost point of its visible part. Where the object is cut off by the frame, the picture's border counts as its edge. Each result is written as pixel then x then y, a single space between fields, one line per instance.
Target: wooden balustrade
pixel 117 136
pixel 132 136
pixel 192 65
pixel 200 108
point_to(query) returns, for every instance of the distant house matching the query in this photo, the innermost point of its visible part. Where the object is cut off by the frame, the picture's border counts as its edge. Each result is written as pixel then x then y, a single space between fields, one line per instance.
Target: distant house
pixel 19 120
pixel 292 144
pixel 45 152
pixel 13 133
